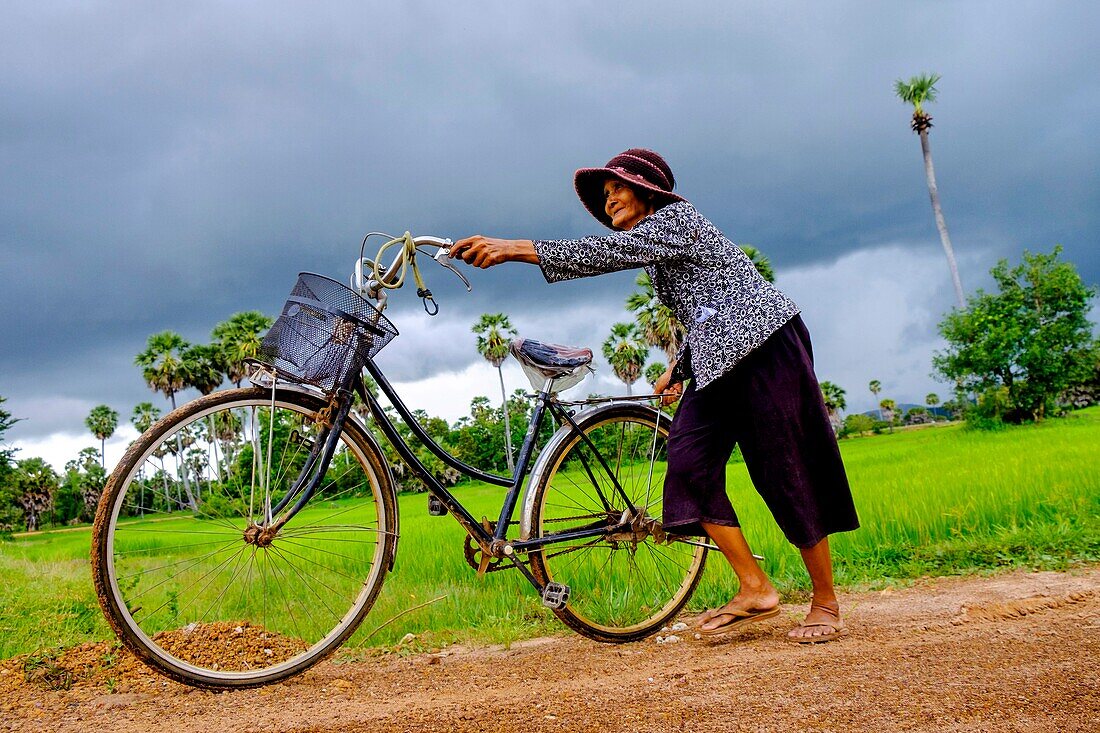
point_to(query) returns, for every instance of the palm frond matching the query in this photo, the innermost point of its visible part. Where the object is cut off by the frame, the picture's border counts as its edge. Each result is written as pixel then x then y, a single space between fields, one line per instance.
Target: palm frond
pixel 917 90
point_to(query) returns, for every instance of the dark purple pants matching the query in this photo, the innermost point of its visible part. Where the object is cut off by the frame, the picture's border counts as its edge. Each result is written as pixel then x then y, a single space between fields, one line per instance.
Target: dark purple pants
pixel 770 404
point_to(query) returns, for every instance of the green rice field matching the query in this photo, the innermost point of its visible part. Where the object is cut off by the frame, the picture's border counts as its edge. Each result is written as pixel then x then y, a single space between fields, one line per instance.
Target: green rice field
pixel 932 501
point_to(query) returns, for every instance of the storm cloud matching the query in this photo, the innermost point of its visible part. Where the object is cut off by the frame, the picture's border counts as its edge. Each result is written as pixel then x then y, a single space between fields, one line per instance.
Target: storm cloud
pixel 164 165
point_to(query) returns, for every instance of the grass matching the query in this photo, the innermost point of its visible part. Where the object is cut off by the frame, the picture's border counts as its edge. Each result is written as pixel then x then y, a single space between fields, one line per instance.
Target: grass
pixel 934 501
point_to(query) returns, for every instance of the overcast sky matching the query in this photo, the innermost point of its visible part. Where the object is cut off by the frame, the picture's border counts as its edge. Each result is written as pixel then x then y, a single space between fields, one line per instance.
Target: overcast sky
pixel 164 165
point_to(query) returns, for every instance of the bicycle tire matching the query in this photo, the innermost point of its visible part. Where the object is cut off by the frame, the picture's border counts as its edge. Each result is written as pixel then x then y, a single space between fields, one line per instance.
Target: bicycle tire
pixel 178 578
pixel 614 596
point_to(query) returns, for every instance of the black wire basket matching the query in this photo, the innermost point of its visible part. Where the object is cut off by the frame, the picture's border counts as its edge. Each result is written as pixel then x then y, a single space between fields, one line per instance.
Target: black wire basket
pixel 325 332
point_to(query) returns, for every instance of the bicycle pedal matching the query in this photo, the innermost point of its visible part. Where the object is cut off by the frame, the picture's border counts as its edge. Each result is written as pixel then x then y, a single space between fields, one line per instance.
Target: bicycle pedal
pixel 436 508
pixel 555 595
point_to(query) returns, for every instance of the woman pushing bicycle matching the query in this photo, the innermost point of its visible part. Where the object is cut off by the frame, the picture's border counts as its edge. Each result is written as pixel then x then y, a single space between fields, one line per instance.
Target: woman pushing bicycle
pixel 749 360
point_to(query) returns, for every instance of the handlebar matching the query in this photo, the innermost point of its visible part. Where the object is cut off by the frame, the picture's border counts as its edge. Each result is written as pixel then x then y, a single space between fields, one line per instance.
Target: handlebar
pixel 370 282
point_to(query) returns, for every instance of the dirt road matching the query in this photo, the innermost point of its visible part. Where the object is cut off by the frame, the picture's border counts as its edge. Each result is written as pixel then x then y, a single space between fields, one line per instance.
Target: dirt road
pixel 1015 652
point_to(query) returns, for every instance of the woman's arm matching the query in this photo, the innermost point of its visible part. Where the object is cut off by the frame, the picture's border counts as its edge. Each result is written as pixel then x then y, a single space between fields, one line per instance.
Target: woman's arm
pixel 672 391
pixel 485 252
pixel 663 236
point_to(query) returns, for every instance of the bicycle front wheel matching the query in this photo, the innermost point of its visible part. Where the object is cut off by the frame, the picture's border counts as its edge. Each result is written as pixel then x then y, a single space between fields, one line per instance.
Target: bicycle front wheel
pixel 183 568
pixel 624 584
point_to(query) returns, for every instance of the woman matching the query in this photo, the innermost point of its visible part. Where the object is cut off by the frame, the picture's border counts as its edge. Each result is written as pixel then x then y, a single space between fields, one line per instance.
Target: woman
pixel 749 358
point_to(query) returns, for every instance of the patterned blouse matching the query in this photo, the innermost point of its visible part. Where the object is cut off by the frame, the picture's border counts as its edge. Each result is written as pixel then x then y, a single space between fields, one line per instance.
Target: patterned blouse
pixel 710 285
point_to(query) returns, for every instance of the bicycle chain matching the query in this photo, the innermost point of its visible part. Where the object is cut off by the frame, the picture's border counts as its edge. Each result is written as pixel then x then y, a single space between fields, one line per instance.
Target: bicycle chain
pixel 474 555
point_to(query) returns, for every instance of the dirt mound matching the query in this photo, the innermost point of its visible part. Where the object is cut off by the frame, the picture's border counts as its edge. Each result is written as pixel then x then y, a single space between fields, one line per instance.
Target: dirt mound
pixel 103 665
pixel 110 666
pixel 228 645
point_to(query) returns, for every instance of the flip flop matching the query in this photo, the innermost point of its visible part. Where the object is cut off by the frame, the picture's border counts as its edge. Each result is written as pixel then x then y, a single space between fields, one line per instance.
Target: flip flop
pixel 737 620
pixel 837 630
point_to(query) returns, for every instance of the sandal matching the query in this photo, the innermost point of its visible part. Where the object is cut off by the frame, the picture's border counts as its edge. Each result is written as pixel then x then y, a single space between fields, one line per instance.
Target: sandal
pixel 836 629
pixel 737 619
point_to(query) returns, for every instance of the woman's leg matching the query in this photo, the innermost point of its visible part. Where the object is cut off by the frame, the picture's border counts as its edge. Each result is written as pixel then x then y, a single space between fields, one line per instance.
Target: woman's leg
pixel 823 620
pixel 756 592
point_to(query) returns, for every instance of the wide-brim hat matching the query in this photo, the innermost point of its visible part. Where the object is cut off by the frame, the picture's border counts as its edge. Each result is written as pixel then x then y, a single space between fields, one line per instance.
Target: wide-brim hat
pixel 641 168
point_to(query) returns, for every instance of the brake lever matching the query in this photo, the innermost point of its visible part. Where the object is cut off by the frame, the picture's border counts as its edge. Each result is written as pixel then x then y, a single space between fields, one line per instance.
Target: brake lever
pixel 442 257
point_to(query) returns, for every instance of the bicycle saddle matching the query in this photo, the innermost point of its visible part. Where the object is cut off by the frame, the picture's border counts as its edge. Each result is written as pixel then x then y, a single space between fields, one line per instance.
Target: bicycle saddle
pixel 552 361
pixel 551 356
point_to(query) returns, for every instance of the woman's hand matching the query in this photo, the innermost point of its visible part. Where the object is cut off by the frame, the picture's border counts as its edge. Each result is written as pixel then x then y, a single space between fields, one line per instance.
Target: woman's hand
pixel 670 392
pixel 485 252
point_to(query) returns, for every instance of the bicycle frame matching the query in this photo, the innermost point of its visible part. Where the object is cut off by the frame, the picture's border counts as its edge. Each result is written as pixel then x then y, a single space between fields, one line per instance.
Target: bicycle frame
pixel 495 543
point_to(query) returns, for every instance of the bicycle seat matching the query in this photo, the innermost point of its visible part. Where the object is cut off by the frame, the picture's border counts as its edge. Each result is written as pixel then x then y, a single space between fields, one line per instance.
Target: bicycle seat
pixel 552 361
pixel 551 356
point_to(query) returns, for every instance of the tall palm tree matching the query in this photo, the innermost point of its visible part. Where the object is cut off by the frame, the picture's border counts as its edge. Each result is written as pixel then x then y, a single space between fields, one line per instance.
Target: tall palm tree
pixel 833 395
pixel 202 367
pixel 656 322
pixel 760 261
pixel 162 367
pixel 102 421
pixel 35 486
pixel 875 386
pixel 142 418
pixel 917 91
pixel 886 411
pixel 494 333
pixel 238 339
pixel 144 415
pixel 932 399
pixel 626 352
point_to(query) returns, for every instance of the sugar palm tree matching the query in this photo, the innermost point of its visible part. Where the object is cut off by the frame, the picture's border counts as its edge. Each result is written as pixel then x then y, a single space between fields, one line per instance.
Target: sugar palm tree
pixel 162 367
pixel 494 333
pixel 917 91
pixel 875 386
pixel 35 486
pixel 202 366
pixel 142 418
pixel 886 411
pixel 162 364
pixel 932 399
pixel 626 352
pixel 656 322
pixel 102 421
pixel 833 395
pixel 144 415
pixel 238 339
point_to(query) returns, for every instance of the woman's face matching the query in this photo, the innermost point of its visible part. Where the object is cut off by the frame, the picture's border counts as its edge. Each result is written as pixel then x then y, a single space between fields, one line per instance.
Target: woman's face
pixel 623 205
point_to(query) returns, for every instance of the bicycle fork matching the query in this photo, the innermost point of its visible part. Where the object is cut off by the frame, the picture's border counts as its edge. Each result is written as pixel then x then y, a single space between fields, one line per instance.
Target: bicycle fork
pixel 309 478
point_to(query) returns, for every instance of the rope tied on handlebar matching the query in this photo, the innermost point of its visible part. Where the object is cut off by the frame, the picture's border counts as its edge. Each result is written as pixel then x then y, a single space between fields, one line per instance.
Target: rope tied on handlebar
pixel 408 260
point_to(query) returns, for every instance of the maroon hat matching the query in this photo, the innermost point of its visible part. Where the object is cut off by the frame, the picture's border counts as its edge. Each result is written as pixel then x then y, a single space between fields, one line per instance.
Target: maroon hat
pixel 641 168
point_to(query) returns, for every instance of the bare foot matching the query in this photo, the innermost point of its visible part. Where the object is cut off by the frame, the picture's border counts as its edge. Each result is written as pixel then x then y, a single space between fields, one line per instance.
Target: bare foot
pixel 821 624
pixel 745 603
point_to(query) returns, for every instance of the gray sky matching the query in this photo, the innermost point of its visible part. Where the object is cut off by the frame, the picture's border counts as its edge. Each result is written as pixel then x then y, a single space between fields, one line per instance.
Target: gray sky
pixel 163 165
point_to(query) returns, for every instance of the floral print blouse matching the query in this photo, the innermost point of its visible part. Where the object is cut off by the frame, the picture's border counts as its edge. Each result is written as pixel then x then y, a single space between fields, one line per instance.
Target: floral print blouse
pixel 710 285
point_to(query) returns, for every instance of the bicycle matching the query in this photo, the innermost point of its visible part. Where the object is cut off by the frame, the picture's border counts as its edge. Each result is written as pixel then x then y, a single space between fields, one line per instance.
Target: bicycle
pixel 245 536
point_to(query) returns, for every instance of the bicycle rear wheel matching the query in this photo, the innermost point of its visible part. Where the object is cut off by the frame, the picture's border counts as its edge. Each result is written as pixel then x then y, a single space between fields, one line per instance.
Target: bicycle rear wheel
pixel 185 573
pixel 627 584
